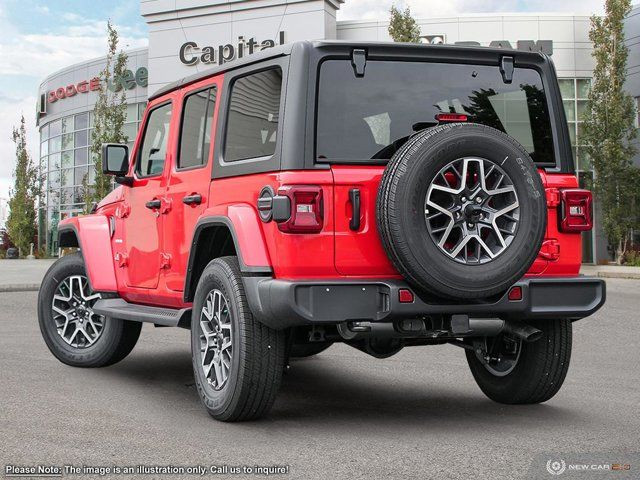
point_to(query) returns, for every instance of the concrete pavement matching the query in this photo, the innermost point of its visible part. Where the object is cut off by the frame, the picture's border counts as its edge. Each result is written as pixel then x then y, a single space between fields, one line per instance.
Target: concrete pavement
pixel 341 414
pixel 22 275
pixel 26 275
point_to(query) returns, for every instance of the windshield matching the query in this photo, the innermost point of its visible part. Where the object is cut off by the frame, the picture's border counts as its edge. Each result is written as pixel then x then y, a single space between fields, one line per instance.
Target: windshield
pixel 370 117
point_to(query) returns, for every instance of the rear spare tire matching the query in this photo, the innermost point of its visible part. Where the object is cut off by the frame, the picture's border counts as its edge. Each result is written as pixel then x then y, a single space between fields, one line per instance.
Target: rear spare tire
pixel 461 211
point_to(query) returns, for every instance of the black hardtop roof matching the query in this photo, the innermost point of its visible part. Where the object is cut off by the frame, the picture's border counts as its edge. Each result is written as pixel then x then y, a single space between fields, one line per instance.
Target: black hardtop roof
pixel 390 48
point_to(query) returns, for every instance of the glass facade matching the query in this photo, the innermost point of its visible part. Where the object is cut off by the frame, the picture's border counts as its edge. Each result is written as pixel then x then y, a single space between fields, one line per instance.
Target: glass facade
pixel 67 163
pixel 575 93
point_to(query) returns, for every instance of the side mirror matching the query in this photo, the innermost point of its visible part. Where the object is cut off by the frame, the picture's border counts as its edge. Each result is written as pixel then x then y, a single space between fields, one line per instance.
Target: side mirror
pixel 115 159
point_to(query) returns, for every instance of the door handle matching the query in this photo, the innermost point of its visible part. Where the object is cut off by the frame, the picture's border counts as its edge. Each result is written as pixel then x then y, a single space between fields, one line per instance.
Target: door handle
pixel 153 204
pixel 195 199
pixel 354 197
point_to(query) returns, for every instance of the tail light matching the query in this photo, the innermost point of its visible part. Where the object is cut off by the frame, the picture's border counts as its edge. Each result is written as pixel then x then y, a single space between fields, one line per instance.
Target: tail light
pixel 576 210
pixel 451 117
pixel 307 212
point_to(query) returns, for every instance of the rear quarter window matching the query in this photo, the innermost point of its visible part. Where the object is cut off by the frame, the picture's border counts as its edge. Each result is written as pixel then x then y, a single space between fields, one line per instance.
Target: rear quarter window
pixel 252 123
pixel 360 119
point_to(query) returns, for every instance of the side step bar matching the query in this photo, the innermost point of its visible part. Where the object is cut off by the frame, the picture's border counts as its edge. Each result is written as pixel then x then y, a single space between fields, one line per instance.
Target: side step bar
pixel 119 308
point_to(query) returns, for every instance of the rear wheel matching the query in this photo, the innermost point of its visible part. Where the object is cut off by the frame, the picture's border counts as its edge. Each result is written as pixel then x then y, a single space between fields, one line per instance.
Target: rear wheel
pixel 511 371
pixel 72 331
pixel 237 361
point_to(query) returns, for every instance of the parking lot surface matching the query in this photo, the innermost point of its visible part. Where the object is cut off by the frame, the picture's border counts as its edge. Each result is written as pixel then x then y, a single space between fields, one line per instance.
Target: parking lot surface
pixel 341 414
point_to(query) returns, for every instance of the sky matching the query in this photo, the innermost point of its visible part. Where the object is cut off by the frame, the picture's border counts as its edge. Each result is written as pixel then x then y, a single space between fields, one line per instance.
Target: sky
pixel 40 37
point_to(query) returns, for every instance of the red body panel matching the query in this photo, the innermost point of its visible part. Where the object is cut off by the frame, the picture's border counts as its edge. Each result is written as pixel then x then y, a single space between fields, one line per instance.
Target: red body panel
pixel 569 244
pixel 94 238
pixel 290 255
pixel 360 252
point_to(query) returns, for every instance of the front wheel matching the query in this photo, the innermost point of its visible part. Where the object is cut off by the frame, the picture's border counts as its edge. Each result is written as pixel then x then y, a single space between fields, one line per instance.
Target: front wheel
pixel 511 371
pixel 72 331
pixel 237 361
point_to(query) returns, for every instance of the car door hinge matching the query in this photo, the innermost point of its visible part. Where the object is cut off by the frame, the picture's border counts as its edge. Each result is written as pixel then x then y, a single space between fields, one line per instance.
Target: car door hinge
pixel 123 210
pixel 121 259
pixel 553 197
pixel 165 261
pixel 165 205
pixel 359 61
pixel 506 69
pixel 550 249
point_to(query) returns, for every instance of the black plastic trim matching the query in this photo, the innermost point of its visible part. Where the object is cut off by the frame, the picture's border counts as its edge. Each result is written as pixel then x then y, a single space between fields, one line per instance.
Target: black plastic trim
pixel 120 308
pixel 281 304
pixel 354 198
pixel 219 221
pixel 65 229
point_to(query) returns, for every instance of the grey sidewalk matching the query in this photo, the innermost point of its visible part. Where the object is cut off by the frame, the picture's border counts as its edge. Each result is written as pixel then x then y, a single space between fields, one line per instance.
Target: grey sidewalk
pixel 22 275
pixel 26 275
pixel 611 271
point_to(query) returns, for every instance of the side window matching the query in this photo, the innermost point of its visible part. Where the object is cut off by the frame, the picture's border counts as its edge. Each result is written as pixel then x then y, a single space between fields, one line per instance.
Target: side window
pixel 252 124
pixel 154 143
pixel 195 132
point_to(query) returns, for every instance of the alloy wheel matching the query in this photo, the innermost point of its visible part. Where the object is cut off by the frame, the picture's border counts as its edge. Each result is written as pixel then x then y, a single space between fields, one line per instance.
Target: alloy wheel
pixel 471 210
pixel 216 338
pixel 72 308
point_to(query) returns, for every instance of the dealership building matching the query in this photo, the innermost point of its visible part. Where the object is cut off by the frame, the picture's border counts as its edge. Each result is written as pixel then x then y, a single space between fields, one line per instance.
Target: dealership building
pixel 189 36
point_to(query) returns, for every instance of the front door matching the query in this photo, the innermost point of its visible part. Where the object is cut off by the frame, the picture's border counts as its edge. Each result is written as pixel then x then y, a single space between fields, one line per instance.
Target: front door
pixel 189 178
pixel 146 201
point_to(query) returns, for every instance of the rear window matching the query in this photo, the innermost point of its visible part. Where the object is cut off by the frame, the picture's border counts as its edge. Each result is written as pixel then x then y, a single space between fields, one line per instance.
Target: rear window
pixel 370 117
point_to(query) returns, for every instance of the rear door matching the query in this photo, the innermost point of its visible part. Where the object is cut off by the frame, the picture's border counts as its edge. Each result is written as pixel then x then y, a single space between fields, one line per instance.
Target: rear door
pixel 189 178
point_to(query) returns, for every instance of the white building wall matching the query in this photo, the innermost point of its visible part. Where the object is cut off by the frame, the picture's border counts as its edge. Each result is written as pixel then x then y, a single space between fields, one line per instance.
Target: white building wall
pixel 222 22
pixel 569 33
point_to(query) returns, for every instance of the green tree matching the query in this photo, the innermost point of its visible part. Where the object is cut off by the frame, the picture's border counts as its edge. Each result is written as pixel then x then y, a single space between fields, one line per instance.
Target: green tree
pixel 21 223
pixel 402 26
pixel 109 115
pixel 609 128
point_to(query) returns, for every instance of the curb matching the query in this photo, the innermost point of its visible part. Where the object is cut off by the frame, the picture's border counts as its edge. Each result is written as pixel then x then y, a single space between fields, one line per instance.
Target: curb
pixel 627 275
pixel 20 287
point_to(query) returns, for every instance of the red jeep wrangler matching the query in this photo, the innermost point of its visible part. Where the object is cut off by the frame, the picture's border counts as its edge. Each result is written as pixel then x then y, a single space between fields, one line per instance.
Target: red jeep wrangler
pixel 381 195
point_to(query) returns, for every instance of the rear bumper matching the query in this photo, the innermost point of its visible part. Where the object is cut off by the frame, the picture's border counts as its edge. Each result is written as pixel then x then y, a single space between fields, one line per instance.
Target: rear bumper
pixel 282 303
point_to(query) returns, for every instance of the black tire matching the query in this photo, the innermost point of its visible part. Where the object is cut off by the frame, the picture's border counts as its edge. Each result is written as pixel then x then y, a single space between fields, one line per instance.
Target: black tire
pixel 116 340
pixel 539 371
pixel 301 350
pixel 401 221
pixel 258 352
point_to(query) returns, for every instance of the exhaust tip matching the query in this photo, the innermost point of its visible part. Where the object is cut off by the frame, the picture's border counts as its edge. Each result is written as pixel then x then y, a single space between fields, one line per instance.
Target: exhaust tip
pixel 523 331
pixel 534 336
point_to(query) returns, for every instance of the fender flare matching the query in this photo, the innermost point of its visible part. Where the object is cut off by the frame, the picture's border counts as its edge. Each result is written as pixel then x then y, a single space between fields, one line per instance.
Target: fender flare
pixel 93 237
pixel 250 248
